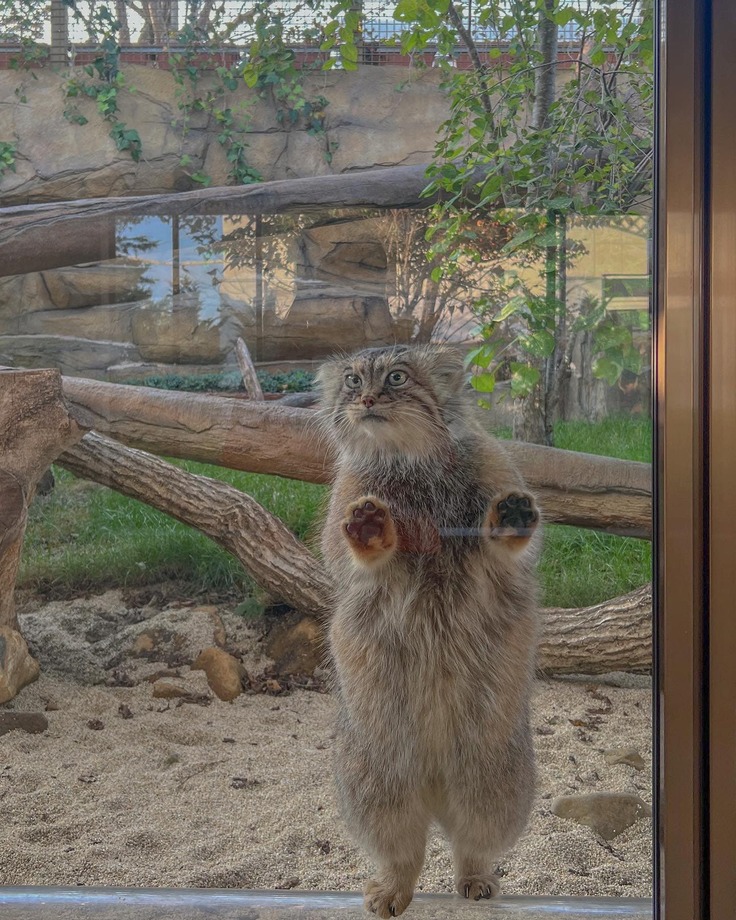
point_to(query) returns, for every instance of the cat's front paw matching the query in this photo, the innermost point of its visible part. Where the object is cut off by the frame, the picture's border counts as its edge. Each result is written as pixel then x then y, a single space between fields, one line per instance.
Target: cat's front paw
pixel 386 900
pixel 513 517
pixel 475 887
pixel 369 529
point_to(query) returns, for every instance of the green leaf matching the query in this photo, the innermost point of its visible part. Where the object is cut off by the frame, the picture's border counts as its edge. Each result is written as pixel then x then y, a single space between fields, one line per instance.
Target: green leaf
pixel 483 383
pixel 515 305
pixel 540 343
pixel 521 239
pixel 607 369
pixel 482 355
pixel 523 379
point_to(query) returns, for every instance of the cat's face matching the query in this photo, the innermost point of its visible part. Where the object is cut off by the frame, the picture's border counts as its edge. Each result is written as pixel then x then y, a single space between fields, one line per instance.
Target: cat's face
pixel 396 399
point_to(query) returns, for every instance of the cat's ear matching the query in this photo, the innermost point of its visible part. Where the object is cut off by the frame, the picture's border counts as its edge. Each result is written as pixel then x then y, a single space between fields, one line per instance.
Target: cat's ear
pixel 445 365
pixel 329 379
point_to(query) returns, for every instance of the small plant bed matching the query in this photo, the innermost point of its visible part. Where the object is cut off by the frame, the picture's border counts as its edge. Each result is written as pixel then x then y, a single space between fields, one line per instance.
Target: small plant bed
pixel 231 382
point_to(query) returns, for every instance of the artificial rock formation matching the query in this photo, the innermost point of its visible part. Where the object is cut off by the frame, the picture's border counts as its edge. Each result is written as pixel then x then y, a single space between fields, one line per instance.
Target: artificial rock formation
pixel 35 427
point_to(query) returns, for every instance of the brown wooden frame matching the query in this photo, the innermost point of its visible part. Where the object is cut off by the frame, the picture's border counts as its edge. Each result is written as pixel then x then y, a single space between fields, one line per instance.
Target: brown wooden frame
pixel 695 500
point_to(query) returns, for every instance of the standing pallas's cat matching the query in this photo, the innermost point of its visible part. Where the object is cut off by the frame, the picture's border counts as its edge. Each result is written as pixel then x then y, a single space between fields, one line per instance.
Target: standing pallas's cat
pixel 430 539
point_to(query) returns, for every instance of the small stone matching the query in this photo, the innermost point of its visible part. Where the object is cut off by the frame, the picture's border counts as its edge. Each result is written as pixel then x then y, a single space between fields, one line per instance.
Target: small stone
pixel 224 672
pixel 289 883
pixel 242 782
pixel 32 722
pixel 629 756
pixel 96 725
pixel 165 690
pixel 17 667
pixel 606 813
pixel 124 711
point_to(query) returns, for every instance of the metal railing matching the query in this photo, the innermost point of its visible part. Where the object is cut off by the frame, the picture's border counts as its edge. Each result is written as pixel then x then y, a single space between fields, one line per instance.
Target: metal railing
pixel 160 24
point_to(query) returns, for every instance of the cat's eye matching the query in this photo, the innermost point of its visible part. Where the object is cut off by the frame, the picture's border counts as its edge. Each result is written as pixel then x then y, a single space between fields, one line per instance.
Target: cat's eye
pixel 353 381
pixel 396 378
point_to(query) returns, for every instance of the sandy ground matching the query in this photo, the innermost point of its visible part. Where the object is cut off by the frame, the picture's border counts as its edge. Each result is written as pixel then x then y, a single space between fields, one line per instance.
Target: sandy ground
pixel 126 789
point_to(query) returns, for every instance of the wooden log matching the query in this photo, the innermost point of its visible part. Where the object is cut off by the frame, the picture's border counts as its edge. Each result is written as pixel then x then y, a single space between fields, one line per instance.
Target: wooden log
pixel 247 369
pixel 30 234
pixel 266 548
pixel 613 636
pixel 35 427
pixel 574 488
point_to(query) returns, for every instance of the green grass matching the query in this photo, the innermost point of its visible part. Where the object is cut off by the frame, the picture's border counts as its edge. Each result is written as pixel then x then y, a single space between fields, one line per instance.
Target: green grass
pixel 582 567
pixel 617 436
pixel 85 537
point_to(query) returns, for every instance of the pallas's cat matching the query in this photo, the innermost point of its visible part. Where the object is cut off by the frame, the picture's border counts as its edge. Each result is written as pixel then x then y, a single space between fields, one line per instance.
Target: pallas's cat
pixel 431 540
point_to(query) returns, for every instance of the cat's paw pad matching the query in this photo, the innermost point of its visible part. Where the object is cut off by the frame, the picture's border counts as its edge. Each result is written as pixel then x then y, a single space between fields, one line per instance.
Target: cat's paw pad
pixel 366 520
pixel 369 528
pixel 513 515
pixel 475 887
pixel 385 900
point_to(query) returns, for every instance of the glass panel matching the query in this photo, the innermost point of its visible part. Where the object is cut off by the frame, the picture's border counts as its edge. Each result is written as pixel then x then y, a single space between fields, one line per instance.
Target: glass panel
pixel 212 652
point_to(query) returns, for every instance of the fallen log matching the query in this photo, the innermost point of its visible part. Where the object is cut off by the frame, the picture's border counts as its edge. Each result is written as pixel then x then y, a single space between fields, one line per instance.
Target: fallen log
pixel 35 427
pixel 265 547
pixel 615 635
pixel 30 234
pixel 573 488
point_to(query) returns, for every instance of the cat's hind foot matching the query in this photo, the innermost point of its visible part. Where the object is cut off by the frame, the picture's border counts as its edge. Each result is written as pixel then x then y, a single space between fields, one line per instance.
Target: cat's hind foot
pixel 513 518
pixel 370 531
pixel 385 899
pixel 475 887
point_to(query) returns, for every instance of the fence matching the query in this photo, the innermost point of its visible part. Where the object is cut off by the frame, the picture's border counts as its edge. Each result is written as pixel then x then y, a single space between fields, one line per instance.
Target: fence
pixel 56 30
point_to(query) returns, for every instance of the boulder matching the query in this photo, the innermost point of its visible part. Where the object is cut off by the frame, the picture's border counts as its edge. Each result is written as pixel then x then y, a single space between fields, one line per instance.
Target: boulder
pixel 17 666
pixel 77 357
pixel 606 813
pixel 324 320
pixel 112 281
pixel 224 672
pixel 177 331
pixel 628 756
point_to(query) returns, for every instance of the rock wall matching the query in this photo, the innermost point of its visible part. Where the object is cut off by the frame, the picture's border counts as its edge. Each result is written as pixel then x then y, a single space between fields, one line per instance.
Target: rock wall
pixel 98 320
pixel 377 116
pixel 325 290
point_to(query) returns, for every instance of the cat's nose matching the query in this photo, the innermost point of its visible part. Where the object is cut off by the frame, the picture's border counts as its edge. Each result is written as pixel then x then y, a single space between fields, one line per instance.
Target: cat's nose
pixel 368 401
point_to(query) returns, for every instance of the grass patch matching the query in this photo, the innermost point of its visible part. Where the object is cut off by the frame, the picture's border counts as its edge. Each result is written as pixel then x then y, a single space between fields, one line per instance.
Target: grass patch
pixel 85 537
pixel 580 567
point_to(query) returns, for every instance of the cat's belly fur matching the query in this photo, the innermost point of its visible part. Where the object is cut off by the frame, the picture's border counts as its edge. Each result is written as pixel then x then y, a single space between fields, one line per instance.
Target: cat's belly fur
pixel 426 693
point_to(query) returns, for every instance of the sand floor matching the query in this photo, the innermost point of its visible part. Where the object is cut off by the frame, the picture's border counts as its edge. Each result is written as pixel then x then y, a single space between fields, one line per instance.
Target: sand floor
pixel 125 789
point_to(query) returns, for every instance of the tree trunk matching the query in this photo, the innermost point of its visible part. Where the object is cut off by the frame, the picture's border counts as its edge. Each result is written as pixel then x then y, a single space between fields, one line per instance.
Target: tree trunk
pixel 264 546
pixel 545 74
pixel 533 420
pixel 35 427
pixel 613 636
